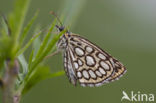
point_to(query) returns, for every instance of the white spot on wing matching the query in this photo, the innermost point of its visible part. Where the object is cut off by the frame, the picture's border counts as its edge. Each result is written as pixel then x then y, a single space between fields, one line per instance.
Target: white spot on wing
pixel 89 49
pixel 79 74
pixel 85 74
pixel 79 51
pixel 101 70
pixel 80 62
pixel 92 74
pixel 76 65
pixel 90 60
pixel 111 60
pixel 98 73
pixel 101 56
pixel 104 65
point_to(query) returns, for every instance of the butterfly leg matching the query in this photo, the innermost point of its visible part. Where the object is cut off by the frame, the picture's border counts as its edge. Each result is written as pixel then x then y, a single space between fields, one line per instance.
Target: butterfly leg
pixel 52 54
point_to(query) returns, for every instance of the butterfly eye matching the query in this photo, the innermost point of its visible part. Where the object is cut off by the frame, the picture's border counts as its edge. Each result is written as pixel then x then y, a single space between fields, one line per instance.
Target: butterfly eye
pixel 60 28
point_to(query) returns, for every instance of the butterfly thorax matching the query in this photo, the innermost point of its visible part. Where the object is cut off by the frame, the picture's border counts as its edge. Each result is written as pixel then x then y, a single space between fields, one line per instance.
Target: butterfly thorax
pixel 63 41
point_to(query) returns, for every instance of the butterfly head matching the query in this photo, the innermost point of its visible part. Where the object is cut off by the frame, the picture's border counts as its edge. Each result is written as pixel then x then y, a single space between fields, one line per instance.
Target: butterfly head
pixel 60 28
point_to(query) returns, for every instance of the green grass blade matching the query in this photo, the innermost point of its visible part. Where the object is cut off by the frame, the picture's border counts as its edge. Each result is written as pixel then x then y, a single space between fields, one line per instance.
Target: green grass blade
pixel 29 43
pixel 56 74
pixel 31 58
pixel 41 73
pixel 47 50
pixel 37 42
pixel 27 28
pixel 16 21
pixel 36 62
pixel 5 44
pixel 23 63
pixel 46 39
pixel 18 15
pixel 5 30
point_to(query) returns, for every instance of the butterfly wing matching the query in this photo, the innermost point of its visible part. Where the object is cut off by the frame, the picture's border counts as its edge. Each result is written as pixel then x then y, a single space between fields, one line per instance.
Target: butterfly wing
pixel 68 66
pixel 89 64
pixel 119 70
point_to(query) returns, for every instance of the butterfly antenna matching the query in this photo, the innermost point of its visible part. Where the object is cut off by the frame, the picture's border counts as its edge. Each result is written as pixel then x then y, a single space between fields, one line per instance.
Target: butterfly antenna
pixel 53 13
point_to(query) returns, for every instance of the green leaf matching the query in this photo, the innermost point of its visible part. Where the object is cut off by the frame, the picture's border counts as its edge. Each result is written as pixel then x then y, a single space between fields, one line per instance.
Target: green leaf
pixel 56 74
pixel 33 66
pixel 46 39
pixel 37 42
pixel 16 21
pixel 47 50
pixel 24 67
pixel 17 17
pixel 36 62
pixel 29 43
pixel 5 44
pixel 23 63
pixel 27 28
pixel 31 58
pixel 40 73
pixel 5 30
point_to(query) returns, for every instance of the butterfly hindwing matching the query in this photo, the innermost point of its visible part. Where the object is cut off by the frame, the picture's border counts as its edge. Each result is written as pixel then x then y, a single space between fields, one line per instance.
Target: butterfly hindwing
pixel 89 64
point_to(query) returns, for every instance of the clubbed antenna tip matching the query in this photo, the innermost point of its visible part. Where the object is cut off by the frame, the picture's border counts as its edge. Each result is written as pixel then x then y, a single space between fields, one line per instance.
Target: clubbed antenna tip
pixel 53 13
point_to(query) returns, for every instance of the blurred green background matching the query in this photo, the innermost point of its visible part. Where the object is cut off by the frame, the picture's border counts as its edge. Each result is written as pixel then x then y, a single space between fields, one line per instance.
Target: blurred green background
pixel 124 28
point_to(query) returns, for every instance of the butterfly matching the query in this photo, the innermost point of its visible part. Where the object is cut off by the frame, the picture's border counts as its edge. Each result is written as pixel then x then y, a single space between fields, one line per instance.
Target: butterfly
pixel 86 63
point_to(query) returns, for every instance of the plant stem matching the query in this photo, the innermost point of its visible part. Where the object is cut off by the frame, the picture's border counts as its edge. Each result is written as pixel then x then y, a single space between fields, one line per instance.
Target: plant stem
pixel 12 68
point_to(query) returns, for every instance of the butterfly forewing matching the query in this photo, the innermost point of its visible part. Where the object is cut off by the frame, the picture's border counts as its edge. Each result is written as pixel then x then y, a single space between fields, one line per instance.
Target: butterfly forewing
pixel 87 63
